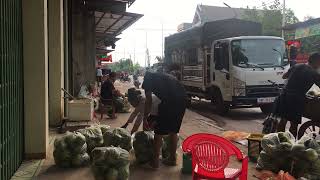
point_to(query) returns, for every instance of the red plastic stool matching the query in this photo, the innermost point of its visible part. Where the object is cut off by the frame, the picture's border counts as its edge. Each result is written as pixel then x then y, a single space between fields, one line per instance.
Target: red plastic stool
pixel 210 157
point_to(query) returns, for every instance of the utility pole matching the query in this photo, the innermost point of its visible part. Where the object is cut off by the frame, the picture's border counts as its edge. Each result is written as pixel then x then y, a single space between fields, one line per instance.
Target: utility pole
pixel 134 54
pixel 162 39
pixel 145 61
pixel 134 51
pixel 148 58
pixel 283 17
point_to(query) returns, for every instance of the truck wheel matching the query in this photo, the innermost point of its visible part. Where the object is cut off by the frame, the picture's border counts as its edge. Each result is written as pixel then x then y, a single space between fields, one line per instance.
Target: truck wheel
pixel 222 108
pixel 266 108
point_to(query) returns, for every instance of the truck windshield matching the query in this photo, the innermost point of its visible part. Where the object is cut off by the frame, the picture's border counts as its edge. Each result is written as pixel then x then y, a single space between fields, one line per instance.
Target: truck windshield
pixel 259 53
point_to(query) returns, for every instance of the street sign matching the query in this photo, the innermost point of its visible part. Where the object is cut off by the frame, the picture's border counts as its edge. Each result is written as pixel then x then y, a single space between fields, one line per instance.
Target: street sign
pixel 106 58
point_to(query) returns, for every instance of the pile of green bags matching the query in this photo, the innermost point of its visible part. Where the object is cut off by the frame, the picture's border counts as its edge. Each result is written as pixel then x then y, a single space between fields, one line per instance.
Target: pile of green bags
pixel 110 163
pixel 71 151
pixel 282 152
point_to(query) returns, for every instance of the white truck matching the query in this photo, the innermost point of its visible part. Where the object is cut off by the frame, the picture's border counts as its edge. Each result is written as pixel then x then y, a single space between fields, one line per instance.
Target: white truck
pixel 229 63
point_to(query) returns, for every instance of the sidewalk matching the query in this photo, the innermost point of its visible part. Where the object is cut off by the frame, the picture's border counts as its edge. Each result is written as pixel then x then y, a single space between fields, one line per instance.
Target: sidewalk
pixel 192 123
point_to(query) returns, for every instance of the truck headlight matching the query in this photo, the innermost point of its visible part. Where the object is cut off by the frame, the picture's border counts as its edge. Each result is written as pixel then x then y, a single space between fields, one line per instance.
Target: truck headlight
pixel 239 87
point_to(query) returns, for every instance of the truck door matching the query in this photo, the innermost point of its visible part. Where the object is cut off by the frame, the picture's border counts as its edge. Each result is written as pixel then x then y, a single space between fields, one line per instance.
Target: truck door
pixel 221 74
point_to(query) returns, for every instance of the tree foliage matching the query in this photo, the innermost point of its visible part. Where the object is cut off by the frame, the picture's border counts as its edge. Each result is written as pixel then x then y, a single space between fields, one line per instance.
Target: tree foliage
pixel 306 18
pixel 252 14
pixel 270 17
pixel 125 65
pixel 291 17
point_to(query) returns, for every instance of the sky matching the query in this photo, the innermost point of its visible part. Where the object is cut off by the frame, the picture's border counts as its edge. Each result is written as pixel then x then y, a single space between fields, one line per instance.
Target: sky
pixel 168 14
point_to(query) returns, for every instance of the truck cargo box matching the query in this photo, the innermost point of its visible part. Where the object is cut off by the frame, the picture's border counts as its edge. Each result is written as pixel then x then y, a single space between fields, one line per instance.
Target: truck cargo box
pixel 205 34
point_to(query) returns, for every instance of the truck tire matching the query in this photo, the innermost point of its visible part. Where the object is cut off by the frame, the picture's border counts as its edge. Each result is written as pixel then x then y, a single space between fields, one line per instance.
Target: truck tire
pixel 222 108
pixel 267 108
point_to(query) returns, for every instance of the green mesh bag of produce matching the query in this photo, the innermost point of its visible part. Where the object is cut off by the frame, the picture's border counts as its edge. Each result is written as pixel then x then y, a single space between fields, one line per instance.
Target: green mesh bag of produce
pixel 110 163
pixel 118 137
pixel 93 137
pixel 70 150
pixel 143 146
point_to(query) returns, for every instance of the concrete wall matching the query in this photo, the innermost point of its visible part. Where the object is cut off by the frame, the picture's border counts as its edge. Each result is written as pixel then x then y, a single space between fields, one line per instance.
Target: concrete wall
pixel 83 46
pixel 35 58
pixel 56 61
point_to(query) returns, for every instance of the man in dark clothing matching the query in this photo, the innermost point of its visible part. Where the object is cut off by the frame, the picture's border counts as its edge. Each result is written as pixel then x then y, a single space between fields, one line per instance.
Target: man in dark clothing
pixel 171 111
pixel 290 104
pixel 109 92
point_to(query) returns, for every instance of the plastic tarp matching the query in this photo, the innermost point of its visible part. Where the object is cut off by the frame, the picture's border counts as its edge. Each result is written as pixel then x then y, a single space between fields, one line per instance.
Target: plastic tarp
pixel 204 35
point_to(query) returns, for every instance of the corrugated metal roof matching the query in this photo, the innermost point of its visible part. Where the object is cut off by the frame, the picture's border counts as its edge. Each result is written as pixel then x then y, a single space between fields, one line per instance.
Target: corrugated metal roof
pixel 215 13
pixel 302 24
pixel 109 25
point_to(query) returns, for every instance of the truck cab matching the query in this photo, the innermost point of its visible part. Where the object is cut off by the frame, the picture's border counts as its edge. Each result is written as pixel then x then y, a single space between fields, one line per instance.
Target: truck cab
pixel 229 63
pixel 244 71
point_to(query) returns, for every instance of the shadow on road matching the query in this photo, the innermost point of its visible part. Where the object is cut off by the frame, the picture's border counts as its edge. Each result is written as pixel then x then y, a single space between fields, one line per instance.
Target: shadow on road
pixel 244 114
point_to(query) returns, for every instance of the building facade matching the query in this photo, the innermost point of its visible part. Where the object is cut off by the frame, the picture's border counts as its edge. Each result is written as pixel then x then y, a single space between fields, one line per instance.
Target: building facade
pixel 45 45
pixel 305 36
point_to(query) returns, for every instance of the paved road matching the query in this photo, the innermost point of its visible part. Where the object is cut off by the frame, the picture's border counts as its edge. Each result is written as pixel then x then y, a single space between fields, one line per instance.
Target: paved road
pixel 245 119
pixel 248 119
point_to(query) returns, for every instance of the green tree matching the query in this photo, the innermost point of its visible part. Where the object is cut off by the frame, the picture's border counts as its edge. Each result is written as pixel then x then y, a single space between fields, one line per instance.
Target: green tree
pixel 270 17
pixel 125 65
pixel 306 18
pixel 291 17
pixel 252 14
pixel 136 67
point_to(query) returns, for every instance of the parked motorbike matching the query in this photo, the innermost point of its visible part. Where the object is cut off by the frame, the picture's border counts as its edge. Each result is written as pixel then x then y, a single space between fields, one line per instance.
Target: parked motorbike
pixel 125 79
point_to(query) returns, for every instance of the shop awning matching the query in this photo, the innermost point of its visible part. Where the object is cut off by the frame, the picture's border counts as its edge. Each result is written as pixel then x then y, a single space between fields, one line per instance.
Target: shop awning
pixel 109 25
pixel 103 51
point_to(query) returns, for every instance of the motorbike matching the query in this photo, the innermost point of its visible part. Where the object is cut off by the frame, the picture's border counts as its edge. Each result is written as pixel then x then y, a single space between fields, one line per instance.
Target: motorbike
pixel 125 78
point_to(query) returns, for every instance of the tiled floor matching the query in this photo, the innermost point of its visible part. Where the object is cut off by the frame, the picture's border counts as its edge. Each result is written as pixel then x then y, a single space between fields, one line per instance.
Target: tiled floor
pixel 28 170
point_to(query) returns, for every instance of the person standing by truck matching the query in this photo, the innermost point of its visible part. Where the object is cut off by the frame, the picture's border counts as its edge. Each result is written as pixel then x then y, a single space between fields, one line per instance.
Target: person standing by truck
pixel 138 101
pixel 99 76
pixel 170 112
pixel 290 104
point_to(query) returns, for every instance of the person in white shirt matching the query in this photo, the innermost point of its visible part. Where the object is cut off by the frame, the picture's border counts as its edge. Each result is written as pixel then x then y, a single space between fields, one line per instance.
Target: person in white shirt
pixel 99 76
pixel 138 101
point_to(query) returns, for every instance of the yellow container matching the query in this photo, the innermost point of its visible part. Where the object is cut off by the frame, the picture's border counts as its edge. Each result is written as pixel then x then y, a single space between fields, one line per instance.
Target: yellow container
pixel 254 146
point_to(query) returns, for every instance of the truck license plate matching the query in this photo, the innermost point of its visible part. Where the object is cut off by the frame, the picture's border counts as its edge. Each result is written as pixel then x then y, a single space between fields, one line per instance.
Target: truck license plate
pixel 266 100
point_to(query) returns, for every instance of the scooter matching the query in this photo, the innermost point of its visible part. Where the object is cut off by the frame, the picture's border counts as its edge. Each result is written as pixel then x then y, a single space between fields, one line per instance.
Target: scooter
pixel 125 79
